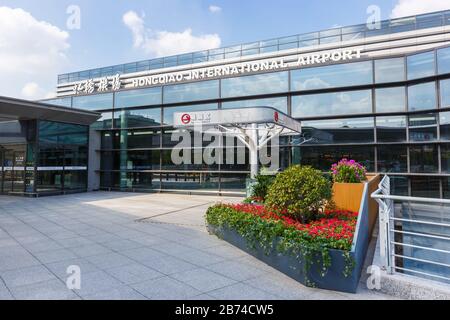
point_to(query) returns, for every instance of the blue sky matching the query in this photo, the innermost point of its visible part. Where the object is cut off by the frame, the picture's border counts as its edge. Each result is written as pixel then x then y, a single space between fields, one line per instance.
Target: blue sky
pixel 105 39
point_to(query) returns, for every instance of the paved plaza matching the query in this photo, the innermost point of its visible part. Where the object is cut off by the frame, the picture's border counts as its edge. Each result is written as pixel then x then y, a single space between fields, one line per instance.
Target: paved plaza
pixel 132 246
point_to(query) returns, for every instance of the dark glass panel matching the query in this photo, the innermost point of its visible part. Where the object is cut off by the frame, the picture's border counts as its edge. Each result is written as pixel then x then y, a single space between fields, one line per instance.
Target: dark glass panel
pixel 190 181
pixel 425 187
pixel 132 118
pixel 138 98
pixel 423 158
pixel 391 129
pixel 277 103
pixel 390 100
pixel 203 90
pixel 423 127
pixel 94 102
pixel 392 158
pixel 253 85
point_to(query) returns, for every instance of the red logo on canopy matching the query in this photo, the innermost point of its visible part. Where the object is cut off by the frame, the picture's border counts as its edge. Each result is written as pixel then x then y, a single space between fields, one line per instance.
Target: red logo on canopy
pixel 276 116
pixel 185 118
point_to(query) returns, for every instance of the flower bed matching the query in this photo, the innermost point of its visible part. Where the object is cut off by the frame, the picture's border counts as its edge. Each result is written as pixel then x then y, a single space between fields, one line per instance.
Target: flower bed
pixel 317 254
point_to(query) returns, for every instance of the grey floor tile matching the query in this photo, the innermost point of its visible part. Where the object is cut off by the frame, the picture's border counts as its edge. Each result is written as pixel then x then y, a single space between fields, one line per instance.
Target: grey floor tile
pixel 120 293
pixel 27 276
pixel 236 270
pixel 241 291
pixel 166 289
pixel 134 273
pixel 55 255
pixel 44 245
pixel 109 260
pixel 17 262
pixel 169 265
pixel 60 268
pixel 97 281
pixel 203 280
pixel 90 250
pixel 48 290
pixel 74 242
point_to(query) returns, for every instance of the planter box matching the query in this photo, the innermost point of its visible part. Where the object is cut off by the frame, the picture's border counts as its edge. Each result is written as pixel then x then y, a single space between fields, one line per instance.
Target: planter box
pixel 293 266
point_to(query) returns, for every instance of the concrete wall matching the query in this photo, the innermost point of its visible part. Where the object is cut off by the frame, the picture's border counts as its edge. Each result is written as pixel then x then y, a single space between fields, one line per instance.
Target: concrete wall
pixel 94 160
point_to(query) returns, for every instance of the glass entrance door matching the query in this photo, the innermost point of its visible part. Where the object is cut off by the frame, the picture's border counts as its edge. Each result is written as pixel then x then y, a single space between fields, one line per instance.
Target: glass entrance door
pixel 13 172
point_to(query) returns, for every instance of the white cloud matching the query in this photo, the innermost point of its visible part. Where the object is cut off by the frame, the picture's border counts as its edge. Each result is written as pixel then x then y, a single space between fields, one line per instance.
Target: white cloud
pixel 215 9
pixel 165 43
pixel 31 54
pixel 412 7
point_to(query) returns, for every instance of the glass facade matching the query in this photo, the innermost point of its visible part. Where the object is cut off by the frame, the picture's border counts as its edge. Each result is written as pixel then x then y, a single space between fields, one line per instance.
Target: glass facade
pixel 43 157
pixel 391 114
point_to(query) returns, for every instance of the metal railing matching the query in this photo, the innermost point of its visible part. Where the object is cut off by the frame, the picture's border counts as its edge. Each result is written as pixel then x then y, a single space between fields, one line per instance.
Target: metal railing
pixel 414 234
pixel 330 36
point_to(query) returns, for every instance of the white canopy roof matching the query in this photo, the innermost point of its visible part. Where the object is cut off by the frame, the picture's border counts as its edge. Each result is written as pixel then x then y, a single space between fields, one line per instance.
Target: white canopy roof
pixel 242 117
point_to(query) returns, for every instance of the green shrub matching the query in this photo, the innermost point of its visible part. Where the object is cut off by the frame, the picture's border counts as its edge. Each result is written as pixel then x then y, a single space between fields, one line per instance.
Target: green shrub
pixel 260 189
pixel 301 192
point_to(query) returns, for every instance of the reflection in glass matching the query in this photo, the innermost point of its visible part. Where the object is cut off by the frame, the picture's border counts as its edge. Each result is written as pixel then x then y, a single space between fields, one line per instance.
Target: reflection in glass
pixel 425 187
pixel 355 130
pixel 421 65
pixel 277 103
pixel 105 122
pixel 328 104
pixel 322 158
pixel 445 125
pixel 422 96
pixel 138 98
pixel 137 118
pixel 390 100
pixel 253 85
pixel 202 90
pixel 443 56
pixel 391 129
pixel 445 93
pixel 333 76
pixel 392 158
pixel 423 127
pixel 445 158
pixel 423 158
pixel 389 70
pixel 94 102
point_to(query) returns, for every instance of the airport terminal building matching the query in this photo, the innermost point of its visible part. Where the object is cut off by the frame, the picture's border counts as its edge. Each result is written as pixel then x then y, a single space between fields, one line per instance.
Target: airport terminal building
pixel 380 96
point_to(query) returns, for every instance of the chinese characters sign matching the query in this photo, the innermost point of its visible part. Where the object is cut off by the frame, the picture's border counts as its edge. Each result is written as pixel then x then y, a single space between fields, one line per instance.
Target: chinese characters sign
pixel 101 85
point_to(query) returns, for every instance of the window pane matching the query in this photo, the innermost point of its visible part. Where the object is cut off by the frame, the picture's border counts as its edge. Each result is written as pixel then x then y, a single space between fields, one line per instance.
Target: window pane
pixel 445 155
pixel 340 130
pixel 420 65
pixel 424 159
pixel 390 100
pixel 445 93
pixel 423 127
pixel 392 159
pixel 389 70
pixel 422 96
pixel 327 104
pixel 399 186
pixel 253 85
pixel 131 139
pixel 445 125
pixel 137 118
pixel 105 122
pixel 203 90
pixel 443 56
pixel 425 187
pixel 94 102
pixel 130 160
pixel 322 158
pixel 391 129
pixel 341 75
pixel 138 98
pixel 64 102
pixel 130 180
pixel 277 103
pixel 169 111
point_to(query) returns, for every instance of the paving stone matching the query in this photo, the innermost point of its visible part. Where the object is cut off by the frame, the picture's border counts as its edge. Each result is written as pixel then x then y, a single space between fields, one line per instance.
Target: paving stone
pixel 60 268
pixel 169 265
pixel 55 255
pixel 90 250
pixel 236 270
pixel 48 290
pixel 120 293
pixel 97 281
pixel 27 276
pixel 203 280
pixel 166 289
pixel 241 291
pixel 109 260
pixel 134 273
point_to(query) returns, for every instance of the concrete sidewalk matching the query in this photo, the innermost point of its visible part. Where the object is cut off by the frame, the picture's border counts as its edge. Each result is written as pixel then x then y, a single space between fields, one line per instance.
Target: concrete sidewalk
pixel 132 246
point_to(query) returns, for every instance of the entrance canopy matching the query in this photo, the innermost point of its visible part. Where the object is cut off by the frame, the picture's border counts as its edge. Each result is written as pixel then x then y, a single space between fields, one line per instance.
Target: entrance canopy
pixel 242 118
pixel 254 127
pixel 16 109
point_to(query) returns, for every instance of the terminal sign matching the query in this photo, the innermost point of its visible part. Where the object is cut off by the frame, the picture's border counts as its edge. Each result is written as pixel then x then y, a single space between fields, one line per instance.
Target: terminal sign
pixel 266 65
